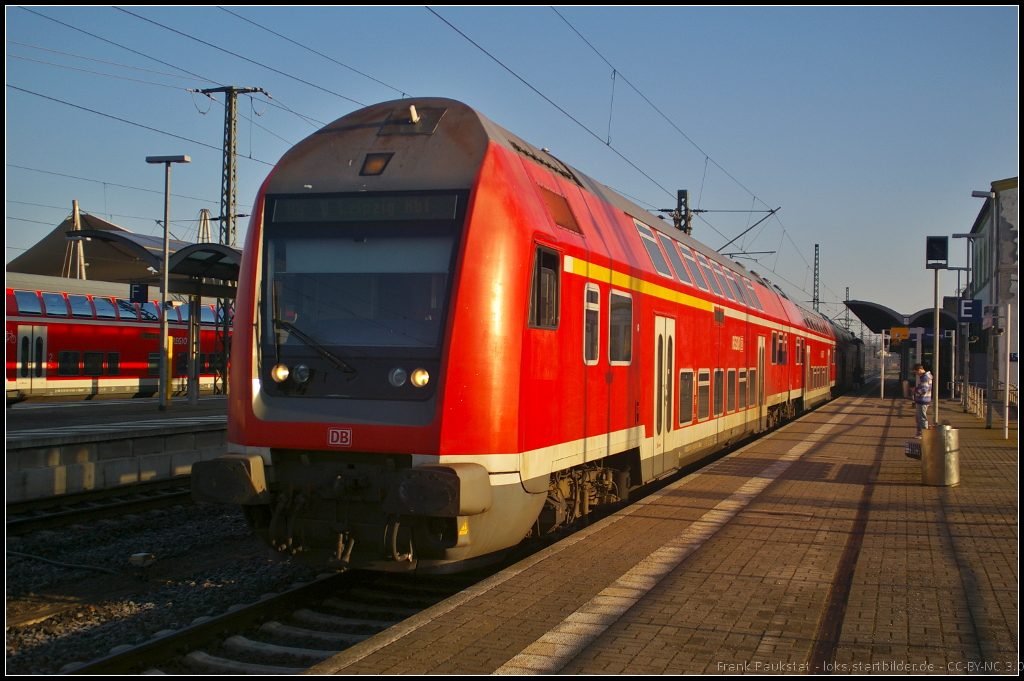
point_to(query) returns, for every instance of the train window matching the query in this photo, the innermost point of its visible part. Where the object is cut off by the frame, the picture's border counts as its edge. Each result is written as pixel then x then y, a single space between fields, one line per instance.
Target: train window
pixel 126 309
pixel 591 324
pixel 544 296
pixel 725 282
pixel 742 392
pixel 55 304
pixel 741 294
pixel 26 356
pixel 183 312
pixel 182 369
pixel 148 312
pixel 80 306
pixel 154 364
pixel 730 395
pixel 783 348
pixel 67 363
pixel 673 256
pixel 694 270
pixel 703 395
pixel 206 315
pixel 753 387
pixel 651 244
pixel 753 295
pixel 719 391
pixel 685 397
pixel 708 274
pixel 560 210
pixel 204 366
pixel 28 302
pixel 620 328
pixel 104 308
pixel 92 363
pixel 113 364
pixel 798 353
pixel 775 347
pixel 40 361
pixel 175 316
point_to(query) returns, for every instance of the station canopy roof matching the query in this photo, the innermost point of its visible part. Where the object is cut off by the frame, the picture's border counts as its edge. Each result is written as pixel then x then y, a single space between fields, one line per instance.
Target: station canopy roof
pixel 115 254
pixel 878 317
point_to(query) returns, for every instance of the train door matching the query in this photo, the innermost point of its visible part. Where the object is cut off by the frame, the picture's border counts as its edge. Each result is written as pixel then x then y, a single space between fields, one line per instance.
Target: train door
pixel 31 358
pixel 760 383
pixel 664 353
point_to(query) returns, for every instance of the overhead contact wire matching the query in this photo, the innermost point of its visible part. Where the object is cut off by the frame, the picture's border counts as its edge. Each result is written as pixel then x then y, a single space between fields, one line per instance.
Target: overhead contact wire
pixel 552 103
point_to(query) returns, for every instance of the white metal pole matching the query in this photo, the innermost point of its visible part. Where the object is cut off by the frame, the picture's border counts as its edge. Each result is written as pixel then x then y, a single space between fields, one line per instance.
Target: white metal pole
pixel 935 354
pixel 164 282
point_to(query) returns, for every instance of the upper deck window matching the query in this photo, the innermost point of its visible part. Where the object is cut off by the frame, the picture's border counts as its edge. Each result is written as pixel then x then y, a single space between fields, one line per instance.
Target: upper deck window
pixel 56 306
pixel 148 312
pixel 28 302
pixel 673 256
pixel 104 308
pixel 709 275
pixel 651 244
pixel 725 282
pixel 753 294
pixel 127 310
pixel 694 270
pixel 80 306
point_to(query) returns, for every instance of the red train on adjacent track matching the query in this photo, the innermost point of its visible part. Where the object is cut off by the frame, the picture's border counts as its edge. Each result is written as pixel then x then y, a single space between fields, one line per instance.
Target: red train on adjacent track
pixel 73 339
pixel 454 339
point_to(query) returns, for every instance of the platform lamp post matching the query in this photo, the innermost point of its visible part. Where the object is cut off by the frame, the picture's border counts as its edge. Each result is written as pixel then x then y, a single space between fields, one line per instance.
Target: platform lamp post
pixel 164 382
pixel 936 258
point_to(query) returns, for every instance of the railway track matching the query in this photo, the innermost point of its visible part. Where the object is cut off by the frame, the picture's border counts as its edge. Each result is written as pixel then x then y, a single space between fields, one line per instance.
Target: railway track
pixel 55 512
pixel 282 633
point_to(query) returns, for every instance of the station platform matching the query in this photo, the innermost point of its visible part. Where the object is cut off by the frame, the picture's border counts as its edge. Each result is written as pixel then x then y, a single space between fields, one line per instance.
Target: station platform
pixel 815 549
pixel 59 448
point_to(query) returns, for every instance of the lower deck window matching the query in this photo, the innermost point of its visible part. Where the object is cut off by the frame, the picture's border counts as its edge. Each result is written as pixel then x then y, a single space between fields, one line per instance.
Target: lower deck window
pixel 620 328
pixel 719 380
pixel 731 390
pixel 154 364
pixel 92 363
pixel 753 387
pixel 742 392
pixel 685 397
pixel 113 364
pixel 67 363
pixel 703 395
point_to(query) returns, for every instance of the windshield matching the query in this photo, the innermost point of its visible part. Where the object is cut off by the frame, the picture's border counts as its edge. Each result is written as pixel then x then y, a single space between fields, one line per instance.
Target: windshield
pixel 370 291
pixel 352 299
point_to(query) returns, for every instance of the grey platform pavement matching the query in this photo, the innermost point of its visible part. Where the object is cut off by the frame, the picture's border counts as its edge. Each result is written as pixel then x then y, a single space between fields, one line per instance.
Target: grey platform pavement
pixel 813 550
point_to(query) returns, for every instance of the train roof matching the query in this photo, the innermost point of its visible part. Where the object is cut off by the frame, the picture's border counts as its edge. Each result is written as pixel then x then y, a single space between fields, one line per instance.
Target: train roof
pixel 464 136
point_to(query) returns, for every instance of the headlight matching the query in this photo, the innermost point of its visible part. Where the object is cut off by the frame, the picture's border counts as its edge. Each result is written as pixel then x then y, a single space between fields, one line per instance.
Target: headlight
pixel 420 378
pixel 397 377
pixel 279 373
pixel 301 373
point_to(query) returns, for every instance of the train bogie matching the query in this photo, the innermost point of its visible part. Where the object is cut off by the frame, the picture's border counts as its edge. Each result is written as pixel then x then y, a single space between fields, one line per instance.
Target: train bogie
pixel 459 340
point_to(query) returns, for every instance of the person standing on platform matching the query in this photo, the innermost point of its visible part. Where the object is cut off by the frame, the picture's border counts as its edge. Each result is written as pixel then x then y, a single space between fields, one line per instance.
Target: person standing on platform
pixel 922 397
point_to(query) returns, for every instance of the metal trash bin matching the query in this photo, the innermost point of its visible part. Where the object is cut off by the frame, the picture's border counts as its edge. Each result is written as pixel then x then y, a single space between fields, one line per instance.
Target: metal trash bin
pixel 940 456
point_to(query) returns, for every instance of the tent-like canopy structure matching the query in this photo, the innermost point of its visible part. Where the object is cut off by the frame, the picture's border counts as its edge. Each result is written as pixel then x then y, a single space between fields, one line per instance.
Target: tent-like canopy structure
pixel 878 317
pixel 118 255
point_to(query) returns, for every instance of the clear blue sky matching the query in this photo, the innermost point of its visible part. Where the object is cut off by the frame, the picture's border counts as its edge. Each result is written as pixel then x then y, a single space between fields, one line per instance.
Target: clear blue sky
pixel 870 127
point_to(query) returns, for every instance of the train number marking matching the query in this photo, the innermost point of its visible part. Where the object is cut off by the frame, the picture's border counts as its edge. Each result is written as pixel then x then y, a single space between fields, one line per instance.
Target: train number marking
pixel 339 437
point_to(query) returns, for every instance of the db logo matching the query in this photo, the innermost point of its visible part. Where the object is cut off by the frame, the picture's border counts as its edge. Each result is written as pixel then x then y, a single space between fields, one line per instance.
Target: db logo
pixel 339 437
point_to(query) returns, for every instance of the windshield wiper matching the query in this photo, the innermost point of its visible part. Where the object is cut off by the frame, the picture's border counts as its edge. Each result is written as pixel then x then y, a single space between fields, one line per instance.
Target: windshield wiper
pixel 330 356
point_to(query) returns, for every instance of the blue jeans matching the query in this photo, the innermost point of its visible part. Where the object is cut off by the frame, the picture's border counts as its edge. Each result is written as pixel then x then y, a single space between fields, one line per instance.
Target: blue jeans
pixel 922 416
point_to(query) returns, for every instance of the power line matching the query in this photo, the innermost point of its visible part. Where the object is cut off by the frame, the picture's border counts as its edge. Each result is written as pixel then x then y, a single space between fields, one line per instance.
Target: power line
pixel 111 184
pixel 122 120
pixel 111 42
pixel 234 54
pixel 549 101
pixel 104 61
pixel 321 54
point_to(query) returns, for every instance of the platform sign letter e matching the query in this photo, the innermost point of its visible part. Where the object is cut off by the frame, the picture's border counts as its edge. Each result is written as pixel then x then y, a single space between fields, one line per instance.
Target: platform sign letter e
pixel 339 437
pixel 970 311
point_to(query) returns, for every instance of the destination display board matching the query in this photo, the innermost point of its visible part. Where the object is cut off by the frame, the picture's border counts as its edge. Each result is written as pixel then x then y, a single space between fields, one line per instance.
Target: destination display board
pixel 364 208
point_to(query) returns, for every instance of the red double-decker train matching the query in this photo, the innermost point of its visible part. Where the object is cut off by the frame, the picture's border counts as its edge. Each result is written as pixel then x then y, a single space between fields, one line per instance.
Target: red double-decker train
pixel 74 339
pixel 452 340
